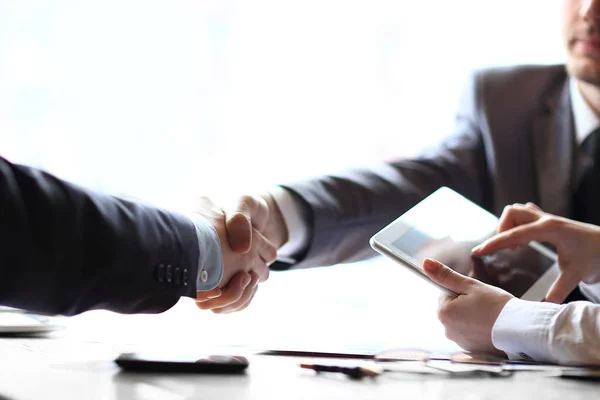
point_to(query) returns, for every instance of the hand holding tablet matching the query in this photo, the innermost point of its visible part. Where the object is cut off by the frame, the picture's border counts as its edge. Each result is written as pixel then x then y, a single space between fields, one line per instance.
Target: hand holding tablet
pixel 446 226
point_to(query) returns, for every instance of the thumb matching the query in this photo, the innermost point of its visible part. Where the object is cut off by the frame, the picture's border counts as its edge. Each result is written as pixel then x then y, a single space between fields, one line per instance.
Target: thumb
pixel 562 287
pixel 441 274
pixel 249 212
pixel 239 232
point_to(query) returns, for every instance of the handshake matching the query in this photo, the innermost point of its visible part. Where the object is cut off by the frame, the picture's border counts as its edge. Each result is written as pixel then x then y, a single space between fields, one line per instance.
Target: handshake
pixel 250 234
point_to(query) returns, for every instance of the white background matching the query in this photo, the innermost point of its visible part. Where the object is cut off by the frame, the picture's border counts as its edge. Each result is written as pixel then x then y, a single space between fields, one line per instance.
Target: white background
pixel 166 100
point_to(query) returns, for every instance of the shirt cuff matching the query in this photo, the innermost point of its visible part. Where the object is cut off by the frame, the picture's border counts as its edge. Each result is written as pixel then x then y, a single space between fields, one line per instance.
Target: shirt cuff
pixel 522 330
pixel 591 291
pixel 210 256
pixel 297 227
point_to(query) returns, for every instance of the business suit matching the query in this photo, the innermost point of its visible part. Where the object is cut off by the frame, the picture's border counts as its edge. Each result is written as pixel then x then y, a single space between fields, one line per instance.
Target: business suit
pixel 66 250
pixel 513 142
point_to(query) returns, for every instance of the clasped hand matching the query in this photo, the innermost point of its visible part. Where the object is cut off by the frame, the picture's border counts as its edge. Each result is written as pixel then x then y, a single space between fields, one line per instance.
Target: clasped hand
pixel 250 234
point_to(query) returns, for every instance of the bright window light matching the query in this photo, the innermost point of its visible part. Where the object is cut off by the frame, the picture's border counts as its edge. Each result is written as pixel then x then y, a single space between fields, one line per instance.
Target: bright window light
pixel 168 100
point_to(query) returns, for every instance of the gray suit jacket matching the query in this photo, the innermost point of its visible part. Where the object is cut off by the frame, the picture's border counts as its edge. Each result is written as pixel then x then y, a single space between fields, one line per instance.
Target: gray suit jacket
pixel 513 142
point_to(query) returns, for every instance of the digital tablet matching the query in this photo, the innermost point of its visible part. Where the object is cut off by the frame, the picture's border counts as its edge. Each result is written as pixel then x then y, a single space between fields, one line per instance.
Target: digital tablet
pixel 446 226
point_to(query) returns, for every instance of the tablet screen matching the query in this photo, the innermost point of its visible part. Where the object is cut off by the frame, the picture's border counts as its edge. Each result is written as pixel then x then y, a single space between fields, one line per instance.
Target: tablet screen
pixel 446 227
pixel 514 271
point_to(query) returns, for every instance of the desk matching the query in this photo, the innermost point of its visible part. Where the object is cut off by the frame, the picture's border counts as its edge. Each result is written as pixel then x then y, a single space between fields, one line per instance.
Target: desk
pixel 77 362
pixel 32 377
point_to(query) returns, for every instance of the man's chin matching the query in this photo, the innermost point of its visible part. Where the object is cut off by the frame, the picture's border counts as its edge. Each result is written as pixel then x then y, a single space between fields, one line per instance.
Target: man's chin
pixel 585 70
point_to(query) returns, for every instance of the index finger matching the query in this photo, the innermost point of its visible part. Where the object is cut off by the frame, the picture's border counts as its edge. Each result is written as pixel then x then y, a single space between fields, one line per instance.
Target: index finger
pixel 514 237
pixel 517 215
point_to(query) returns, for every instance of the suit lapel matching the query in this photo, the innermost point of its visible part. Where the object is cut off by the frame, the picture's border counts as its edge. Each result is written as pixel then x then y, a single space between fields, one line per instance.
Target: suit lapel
pixel 553 146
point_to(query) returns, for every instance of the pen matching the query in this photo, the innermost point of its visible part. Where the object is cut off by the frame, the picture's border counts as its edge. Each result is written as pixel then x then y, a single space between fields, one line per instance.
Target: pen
pixel 353 372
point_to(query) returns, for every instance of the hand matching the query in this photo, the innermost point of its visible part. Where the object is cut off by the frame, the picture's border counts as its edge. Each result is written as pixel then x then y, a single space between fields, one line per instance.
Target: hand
pixel 252 216
pixel 469 317
pixel 275 228
pixel 234 296
pixel 577 244
pixel 246 256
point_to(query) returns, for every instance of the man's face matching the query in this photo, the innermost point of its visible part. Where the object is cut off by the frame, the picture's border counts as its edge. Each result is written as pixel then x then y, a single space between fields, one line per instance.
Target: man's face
pixel 581 33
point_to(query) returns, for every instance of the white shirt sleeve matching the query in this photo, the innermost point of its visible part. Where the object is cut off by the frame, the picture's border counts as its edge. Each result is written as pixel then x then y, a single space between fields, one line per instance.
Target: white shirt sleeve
pixel 297 227
pixel 563 334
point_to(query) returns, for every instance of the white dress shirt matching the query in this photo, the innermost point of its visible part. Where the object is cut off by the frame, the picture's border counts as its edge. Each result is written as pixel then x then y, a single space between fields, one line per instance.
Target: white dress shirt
pixel 566 334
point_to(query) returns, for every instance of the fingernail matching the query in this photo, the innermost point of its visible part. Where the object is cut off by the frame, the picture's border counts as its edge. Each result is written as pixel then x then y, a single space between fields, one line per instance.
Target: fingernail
pixel 429 264
pixel 477 248
pixel 215 293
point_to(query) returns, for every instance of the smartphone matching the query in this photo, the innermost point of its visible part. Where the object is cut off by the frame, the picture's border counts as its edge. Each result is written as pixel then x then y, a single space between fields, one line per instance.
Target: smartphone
pixel 446 226
pixel 211 364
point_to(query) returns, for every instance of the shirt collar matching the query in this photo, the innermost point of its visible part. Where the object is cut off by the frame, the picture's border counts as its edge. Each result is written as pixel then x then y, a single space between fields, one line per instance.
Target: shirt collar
pixel 586 120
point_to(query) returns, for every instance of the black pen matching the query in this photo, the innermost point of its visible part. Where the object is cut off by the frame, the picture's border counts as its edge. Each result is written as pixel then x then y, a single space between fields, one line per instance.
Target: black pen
pixel 353 372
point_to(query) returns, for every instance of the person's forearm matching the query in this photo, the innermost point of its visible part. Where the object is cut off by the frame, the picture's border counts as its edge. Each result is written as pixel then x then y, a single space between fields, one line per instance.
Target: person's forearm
pixel 67 250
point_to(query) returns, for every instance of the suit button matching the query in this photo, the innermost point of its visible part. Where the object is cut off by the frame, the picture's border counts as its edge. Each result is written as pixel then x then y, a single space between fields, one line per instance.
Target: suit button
pixel 160 273
pixel 203 276
pixel 177 275
pixel 169 273
pixel 184 278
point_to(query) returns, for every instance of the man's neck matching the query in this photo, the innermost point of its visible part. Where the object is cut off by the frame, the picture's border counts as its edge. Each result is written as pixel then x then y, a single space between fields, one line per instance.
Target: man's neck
pixel 591 95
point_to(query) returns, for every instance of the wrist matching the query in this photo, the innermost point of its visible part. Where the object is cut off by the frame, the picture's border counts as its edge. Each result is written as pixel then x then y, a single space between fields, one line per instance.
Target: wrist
pixel 276 231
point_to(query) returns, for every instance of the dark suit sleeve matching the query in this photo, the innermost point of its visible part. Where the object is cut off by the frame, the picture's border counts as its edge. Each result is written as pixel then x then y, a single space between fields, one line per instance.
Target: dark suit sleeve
pixel 347 208
pixel 66 250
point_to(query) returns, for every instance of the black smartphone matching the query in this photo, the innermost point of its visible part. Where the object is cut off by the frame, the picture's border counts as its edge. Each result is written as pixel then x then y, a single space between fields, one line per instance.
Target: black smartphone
pixel 212 364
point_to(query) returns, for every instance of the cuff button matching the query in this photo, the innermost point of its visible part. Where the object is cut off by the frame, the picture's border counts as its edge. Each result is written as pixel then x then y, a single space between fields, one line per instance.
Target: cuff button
pixel 160 273
pixel 169 273
pixel 177 275
pixel 203 276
